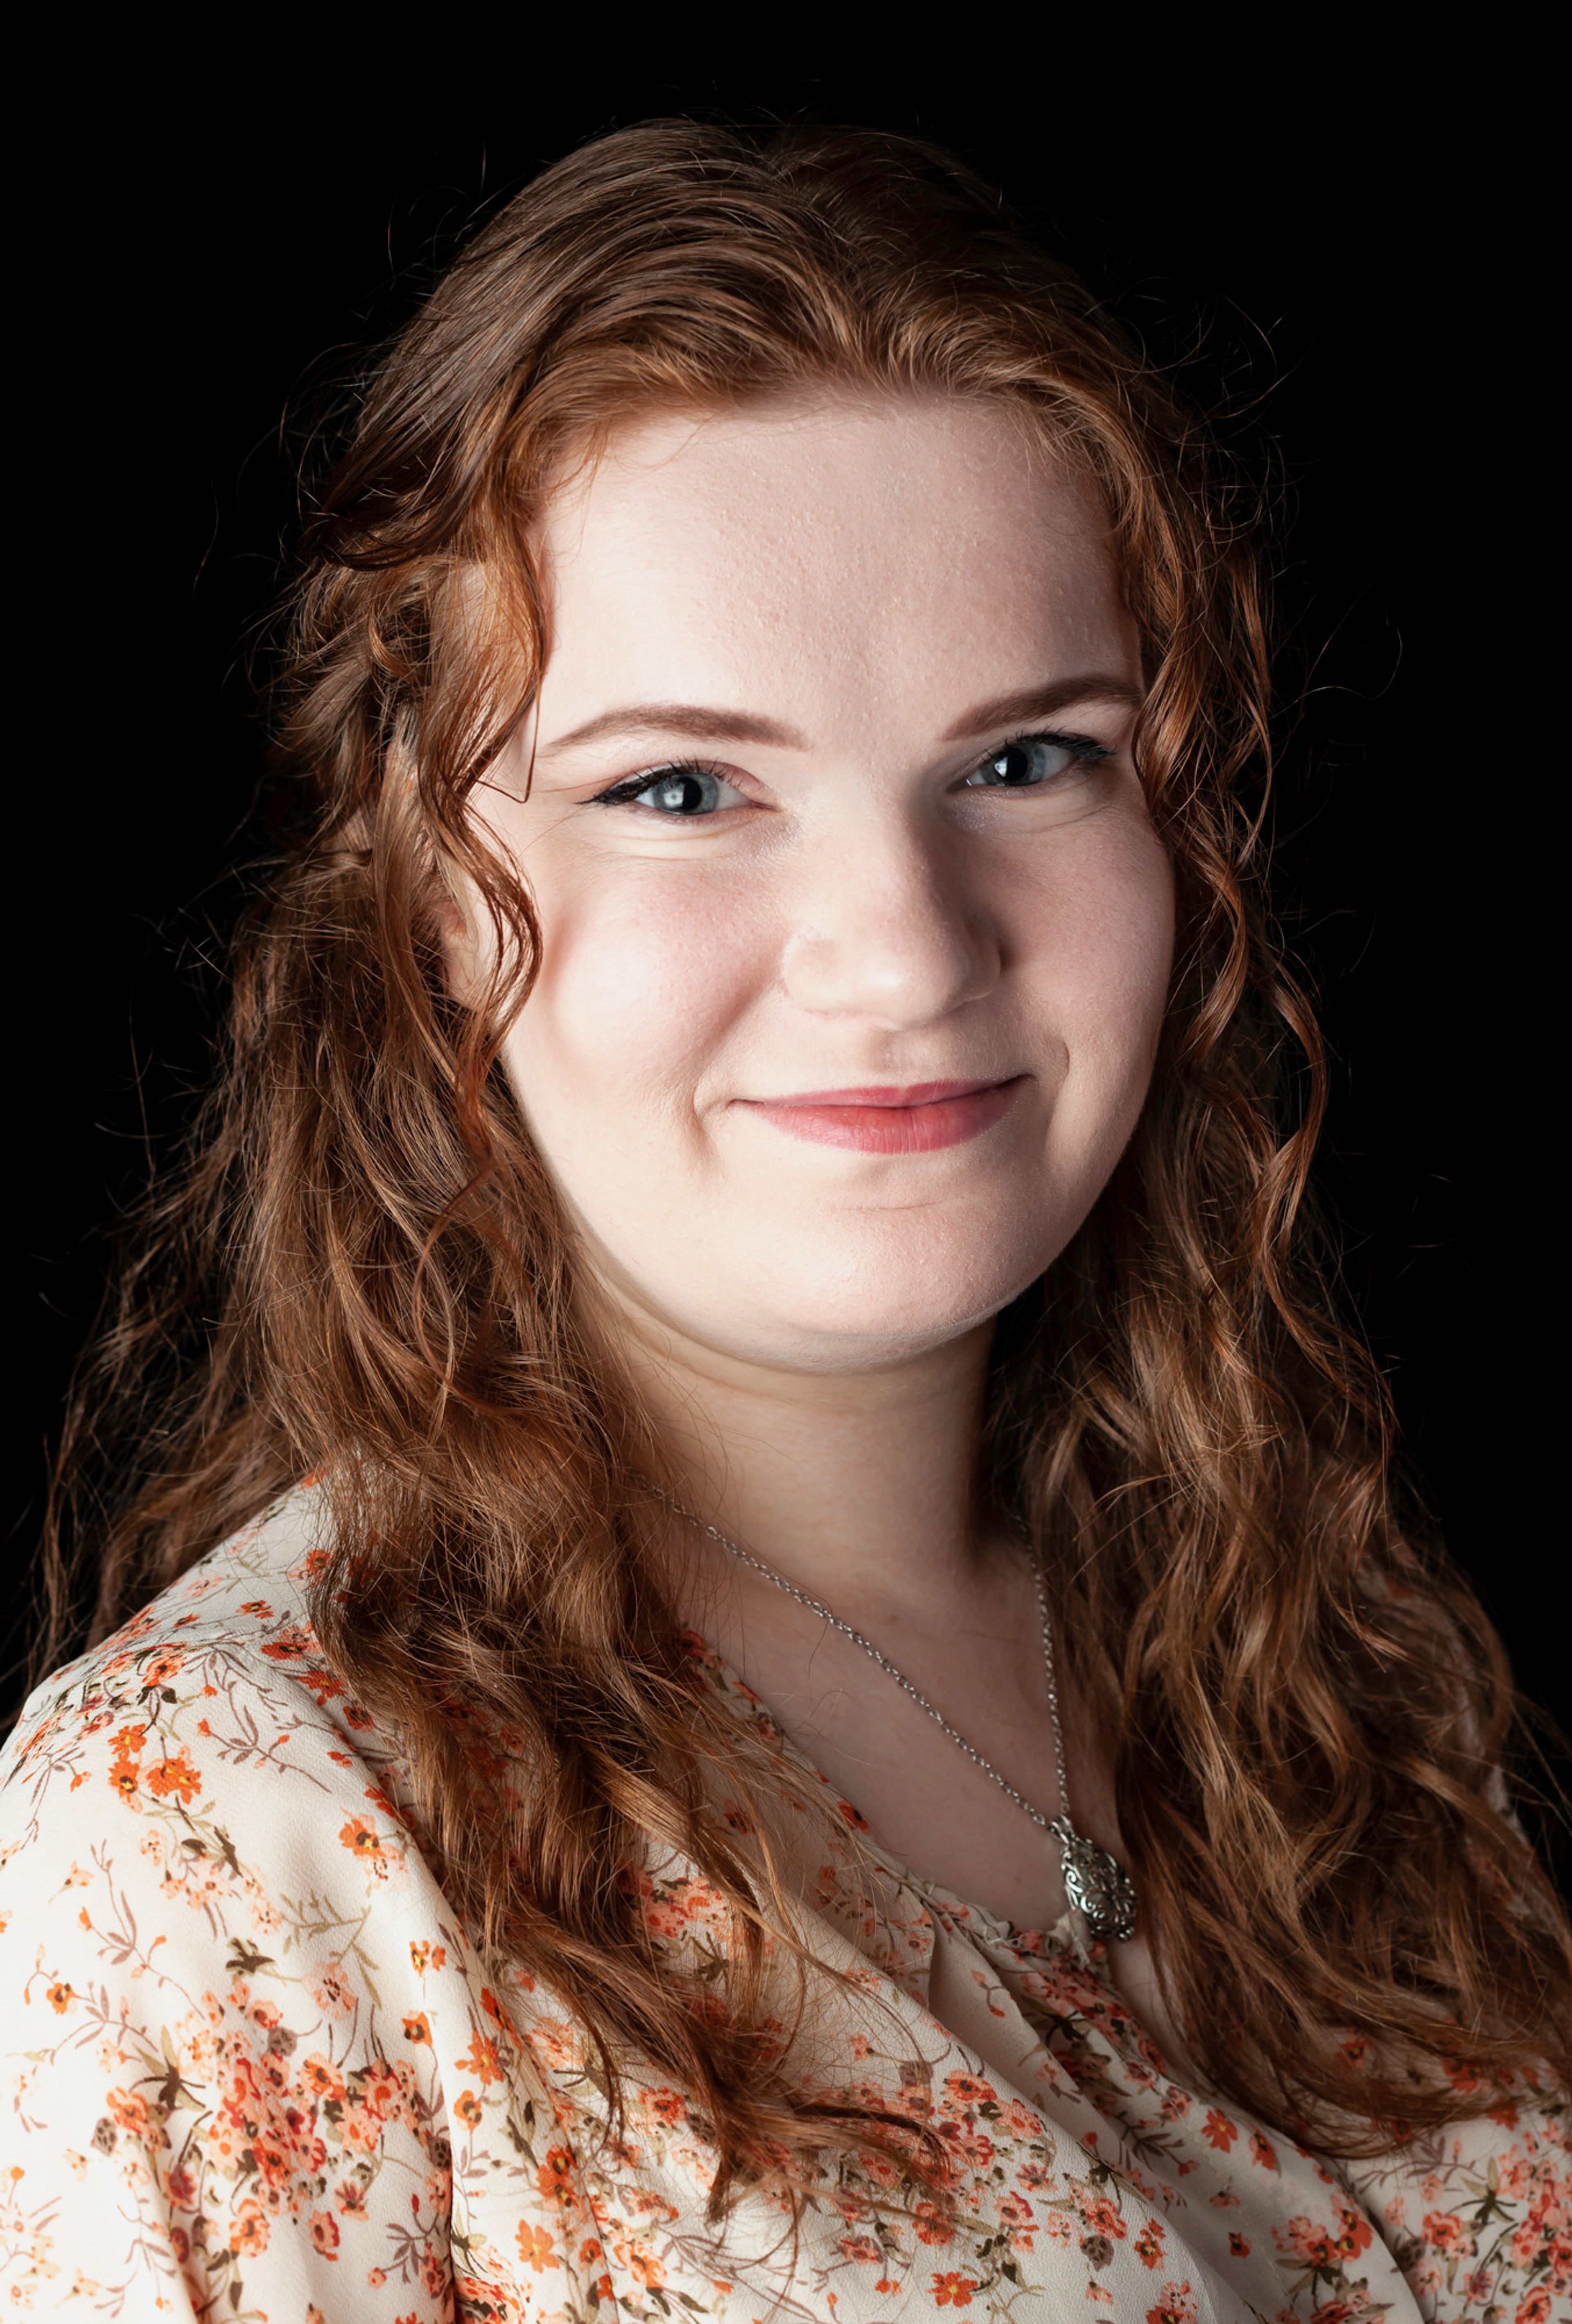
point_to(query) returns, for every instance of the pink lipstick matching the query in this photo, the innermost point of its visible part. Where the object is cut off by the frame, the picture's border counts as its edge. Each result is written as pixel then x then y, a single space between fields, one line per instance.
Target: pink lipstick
pixel 917 1119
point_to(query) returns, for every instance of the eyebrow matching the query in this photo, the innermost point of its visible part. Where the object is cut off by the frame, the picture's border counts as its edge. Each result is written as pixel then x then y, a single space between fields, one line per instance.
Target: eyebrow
pixel 1030 702
pixel 707 724
pixel 704 722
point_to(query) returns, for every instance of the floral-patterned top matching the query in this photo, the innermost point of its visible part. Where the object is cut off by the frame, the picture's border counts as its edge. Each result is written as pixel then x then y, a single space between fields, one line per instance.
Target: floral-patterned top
pixel 254 2068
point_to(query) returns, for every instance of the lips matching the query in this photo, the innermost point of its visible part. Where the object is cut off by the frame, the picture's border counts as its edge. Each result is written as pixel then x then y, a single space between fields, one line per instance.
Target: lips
pixel 918 1119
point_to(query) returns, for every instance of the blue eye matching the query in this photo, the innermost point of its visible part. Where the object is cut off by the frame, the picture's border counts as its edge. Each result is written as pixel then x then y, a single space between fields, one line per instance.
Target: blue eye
pixel 1034 761
pixel 680 791
pixel 675 792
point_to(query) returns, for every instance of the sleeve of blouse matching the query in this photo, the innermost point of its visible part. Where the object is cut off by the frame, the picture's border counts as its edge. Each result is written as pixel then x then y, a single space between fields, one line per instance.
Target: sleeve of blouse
pixel 215 2092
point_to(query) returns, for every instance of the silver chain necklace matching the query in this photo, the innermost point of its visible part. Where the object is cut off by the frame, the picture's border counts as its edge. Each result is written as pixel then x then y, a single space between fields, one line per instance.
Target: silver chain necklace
pixel 1096 1883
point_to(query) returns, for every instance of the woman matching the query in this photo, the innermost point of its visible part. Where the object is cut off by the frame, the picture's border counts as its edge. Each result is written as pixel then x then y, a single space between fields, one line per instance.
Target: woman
pixel 753 1658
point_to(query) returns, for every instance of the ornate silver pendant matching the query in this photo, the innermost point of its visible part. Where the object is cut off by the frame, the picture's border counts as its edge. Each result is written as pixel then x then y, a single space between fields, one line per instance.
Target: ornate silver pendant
pixel 1097 1884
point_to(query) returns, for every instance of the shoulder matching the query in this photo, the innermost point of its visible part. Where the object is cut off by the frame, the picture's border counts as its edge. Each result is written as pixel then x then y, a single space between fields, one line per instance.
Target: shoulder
pixel 207 1740
pixel 216 1689
pixel 213 1926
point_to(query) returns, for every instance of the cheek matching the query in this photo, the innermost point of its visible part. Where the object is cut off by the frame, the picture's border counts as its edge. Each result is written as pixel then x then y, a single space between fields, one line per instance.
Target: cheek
pixel 1102 964
pixel 639 980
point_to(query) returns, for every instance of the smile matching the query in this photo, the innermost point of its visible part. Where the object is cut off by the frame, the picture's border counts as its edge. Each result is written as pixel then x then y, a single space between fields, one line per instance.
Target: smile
pixel 915 1120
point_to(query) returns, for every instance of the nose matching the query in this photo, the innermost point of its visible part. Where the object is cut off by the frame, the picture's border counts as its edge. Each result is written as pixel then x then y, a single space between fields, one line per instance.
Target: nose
pixel 884 927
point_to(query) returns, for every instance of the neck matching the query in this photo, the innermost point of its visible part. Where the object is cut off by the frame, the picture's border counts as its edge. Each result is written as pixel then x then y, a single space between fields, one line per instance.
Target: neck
pixel 860 1487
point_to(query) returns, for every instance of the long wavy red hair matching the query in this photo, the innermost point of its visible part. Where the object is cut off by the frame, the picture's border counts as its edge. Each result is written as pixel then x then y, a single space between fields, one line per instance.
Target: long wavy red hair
pixel 365 1255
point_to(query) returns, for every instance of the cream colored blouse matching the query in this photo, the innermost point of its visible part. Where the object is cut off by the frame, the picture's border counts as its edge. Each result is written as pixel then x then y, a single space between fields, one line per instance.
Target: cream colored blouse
pixel 253 2069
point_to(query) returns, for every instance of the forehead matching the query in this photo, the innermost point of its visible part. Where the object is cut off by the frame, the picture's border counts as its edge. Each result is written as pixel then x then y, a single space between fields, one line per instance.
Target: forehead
pixel 844 537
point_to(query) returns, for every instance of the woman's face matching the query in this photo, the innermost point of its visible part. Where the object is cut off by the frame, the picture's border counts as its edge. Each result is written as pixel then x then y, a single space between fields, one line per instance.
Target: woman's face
pixel 856 931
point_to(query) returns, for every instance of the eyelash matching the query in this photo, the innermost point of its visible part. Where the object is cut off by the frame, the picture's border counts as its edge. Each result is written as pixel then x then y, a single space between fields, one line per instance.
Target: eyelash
pixel 626 793
pixel 1080 746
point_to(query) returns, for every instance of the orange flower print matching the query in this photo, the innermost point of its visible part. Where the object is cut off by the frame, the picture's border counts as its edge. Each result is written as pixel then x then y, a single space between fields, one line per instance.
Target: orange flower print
pixel 480 2061
pixel 1355 2234
pixel 1238 2245
pixel 966 2089
pixel 250 2231
pixel 323 1686
pixel 175 1778
pixel 931 2223
pixel 975 2145
pixel 360 2127
pixel 468 2108
pixel 553 2177
pixel 1463 2076
pixel 1177 2305
pixel 275 2163
pixel 1263 2153
pixel 953 2290
pixel 130 2112
pixel 290 1642
pixel 325 2234
pixel 536 2247
pixel 1303 2240
pixel 61 1997
pixel 1101 2216
pixel 362 1840
pixel 323 2083
pixel 162 1666
pixel 417 2027
pixel 129 1741
pixel 1148 2244
pixel 1536 2307
pixel 1525 2244
pixel 1218 2131
pixel 1445 2233
pixel 1018 2217
pixel 380 2087
pixel 124 1778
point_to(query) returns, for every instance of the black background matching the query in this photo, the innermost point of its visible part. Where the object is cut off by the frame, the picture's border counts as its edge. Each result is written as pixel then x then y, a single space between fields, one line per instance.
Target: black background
pixel 1337 247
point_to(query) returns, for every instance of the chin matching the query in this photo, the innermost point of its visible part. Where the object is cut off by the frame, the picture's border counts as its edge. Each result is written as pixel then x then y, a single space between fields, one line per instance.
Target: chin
pixel 859 1318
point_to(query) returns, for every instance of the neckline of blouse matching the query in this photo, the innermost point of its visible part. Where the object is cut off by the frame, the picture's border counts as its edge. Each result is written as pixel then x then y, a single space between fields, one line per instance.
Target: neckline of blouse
pixel 1064 1936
